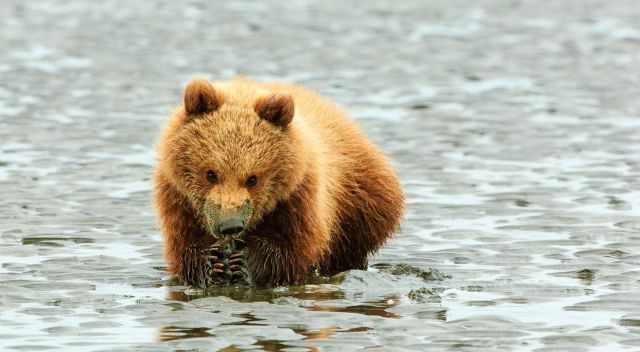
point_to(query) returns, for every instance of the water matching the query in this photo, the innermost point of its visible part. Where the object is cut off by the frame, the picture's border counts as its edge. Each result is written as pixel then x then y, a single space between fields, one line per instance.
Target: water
pixel 514 128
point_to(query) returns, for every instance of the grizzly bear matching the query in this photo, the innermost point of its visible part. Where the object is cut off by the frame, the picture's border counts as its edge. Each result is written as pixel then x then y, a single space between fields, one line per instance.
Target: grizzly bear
pixel 284 170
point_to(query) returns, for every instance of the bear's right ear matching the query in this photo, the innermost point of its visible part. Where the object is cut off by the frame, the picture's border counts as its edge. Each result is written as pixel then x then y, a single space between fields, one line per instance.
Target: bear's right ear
pixel 200 97
pixel 275 108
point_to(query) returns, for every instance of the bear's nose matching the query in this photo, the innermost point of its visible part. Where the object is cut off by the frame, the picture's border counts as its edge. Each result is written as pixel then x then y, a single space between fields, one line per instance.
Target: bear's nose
pixel 231 226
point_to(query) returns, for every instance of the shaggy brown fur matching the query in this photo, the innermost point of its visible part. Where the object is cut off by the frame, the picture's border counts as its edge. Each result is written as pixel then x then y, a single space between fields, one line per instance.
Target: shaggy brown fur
pixel 325 197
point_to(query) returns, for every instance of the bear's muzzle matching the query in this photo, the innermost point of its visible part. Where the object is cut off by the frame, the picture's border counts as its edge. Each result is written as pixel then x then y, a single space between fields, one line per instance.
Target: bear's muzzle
pixel 232 225
pixel 225 222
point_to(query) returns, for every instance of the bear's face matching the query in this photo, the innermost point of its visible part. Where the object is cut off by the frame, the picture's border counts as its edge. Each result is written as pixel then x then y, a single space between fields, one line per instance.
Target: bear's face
pixel 231 163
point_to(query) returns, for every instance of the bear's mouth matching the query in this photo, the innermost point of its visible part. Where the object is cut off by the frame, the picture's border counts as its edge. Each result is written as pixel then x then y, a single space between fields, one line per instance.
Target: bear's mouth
pixel 227 223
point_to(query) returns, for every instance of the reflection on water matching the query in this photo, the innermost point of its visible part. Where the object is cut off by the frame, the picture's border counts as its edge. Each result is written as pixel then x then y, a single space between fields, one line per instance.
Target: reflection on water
pixel 630 322
pixel 320 298
pixel 252 294
pixel 375 308
pixel 169 333
pixel 53 241
pixel 248 319
pixel 267 345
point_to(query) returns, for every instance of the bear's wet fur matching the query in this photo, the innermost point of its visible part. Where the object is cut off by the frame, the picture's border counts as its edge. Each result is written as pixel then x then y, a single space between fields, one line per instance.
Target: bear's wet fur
pixel 324 197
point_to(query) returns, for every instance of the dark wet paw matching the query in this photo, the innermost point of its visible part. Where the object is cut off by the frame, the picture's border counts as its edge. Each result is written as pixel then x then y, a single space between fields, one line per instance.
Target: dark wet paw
pixel 203 267
pixel 213 257
pixel 215 266
pixel 238 271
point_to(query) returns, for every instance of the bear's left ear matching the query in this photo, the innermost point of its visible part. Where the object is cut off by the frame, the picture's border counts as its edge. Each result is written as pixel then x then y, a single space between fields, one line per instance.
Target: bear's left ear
pixel 200 97
pixel 275 108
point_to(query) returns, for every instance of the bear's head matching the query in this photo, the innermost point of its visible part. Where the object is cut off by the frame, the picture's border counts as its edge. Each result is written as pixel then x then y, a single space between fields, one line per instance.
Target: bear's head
pixel 232 162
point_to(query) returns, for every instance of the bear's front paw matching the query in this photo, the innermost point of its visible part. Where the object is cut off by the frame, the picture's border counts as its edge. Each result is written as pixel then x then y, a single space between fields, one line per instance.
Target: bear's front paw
pixel 203 267
pixel 217 272
pixel 238 270
pixel 216 265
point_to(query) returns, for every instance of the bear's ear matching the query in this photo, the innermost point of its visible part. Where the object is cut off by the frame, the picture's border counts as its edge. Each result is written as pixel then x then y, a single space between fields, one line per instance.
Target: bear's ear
pixel 275 108
pixel 200 97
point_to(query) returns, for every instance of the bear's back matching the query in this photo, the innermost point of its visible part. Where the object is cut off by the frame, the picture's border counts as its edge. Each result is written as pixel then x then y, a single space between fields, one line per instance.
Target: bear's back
pixel 340 152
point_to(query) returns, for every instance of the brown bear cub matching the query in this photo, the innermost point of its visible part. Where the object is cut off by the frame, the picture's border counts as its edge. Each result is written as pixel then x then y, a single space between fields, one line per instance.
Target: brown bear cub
pixel 269 184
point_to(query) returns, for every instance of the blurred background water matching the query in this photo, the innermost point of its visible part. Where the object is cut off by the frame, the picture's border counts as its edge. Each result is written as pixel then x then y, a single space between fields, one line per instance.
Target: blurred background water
pixel 513 126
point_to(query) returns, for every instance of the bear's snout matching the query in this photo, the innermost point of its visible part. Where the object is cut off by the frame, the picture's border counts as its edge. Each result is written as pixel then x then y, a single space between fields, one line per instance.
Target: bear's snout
pixel 231 225
pixel 225 221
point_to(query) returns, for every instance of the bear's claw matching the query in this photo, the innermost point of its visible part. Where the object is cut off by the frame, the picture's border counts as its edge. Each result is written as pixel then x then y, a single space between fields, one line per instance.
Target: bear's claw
pixel 238 271
pixel 215 266
pixel 214 262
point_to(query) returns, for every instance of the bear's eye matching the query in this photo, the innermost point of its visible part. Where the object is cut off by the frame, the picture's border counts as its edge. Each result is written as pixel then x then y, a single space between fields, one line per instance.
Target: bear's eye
pixel 251 181
pixel 212 177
